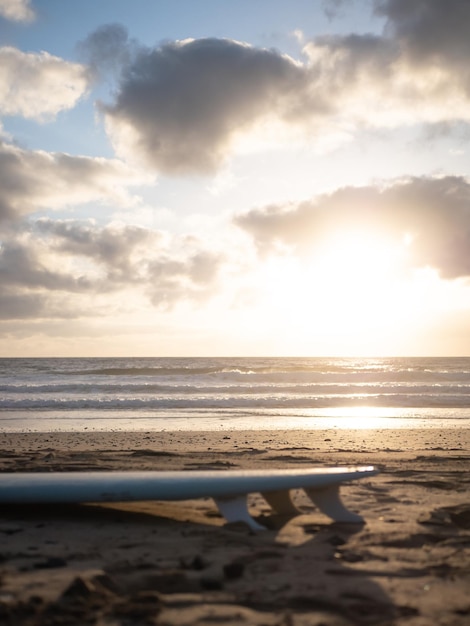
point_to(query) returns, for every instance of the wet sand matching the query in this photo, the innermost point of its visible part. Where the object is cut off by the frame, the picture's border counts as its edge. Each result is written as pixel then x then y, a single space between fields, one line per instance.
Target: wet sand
pixel 181 563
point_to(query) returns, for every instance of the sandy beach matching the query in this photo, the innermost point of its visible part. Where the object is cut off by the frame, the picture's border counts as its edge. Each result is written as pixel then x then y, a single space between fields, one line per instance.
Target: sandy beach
pixel 181 563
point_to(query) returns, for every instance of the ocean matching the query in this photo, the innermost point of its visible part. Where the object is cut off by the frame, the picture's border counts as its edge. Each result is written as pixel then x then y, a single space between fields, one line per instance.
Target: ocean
pixel 112 394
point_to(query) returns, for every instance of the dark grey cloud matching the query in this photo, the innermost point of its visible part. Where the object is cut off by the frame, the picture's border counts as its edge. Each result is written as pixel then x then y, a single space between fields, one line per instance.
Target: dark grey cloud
pixel 107 50
pixel 183 102
pixel 334 8
pixel 430 31
pixel 18 304
pixel 21 306
pixel 433 212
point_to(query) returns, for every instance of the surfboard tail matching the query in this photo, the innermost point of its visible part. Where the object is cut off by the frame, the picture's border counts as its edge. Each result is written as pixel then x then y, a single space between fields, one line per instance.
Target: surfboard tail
pixel 326 499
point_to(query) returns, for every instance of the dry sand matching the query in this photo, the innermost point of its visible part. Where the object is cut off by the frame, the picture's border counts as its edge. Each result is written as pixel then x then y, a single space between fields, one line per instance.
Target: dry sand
pixel 180 563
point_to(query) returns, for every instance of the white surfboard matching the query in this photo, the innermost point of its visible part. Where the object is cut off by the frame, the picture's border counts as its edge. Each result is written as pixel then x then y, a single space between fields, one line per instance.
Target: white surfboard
pixel 229 488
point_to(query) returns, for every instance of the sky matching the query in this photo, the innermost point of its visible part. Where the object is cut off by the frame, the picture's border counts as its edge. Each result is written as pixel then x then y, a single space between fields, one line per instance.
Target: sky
pixel 249 178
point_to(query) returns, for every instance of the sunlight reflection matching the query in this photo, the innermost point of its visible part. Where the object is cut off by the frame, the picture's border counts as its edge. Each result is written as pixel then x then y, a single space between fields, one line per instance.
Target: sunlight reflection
pixel 365 417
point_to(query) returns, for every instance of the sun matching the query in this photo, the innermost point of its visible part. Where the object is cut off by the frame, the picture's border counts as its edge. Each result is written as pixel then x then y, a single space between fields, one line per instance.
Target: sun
pixel 352 294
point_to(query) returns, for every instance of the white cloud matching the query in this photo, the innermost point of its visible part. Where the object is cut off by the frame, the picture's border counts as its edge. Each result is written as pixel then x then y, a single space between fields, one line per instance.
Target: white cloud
pixel 370 80
pixel 432 213
pixel 17 10
pixel 38 85
pixel 416 72
pixel 34 180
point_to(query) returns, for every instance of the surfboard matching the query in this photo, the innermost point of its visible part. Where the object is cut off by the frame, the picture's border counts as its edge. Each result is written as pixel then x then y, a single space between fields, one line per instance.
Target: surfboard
pixel 229 489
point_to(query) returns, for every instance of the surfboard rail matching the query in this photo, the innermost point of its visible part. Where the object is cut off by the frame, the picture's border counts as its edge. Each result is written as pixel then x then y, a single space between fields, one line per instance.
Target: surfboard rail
pixel 228 488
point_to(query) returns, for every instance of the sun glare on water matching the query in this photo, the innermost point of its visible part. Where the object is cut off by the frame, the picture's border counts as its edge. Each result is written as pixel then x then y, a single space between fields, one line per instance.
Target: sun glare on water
pixel 366 417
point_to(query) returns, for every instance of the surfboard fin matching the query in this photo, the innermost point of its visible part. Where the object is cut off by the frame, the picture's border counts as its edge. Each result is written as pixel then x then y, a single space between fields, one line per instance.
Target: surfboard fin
pixel 328 500
pixel 235 509
pixel 280 501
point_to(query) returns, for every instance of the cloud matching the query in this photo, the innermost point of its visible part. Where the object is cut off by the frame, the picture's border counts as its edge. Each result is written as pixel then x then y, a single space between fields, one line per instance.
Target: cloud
pixel 416 72
pixel 332 8
pixel 17 10
pixel 35 180
pixel 19 306
pixel 22 266
pixel 116 248
pixel 38 85
pixel 58 265
pixel 34 284
pixel 371 81
pixel 430 31
pixel 107 50
pixel 180 106
pixel 192 278
pixel 433 213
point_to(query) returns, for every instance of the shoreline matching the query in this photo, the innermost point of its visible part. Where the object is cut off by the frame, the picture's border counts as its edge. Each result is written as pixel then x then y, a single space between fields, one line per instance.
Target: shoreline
pixel 179 563
pixel 11 423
